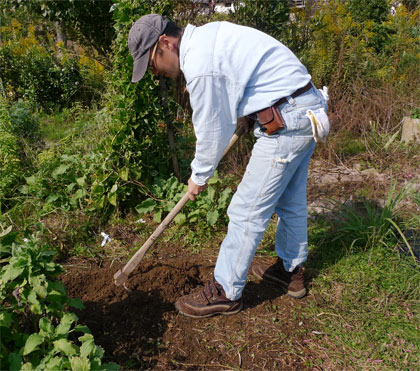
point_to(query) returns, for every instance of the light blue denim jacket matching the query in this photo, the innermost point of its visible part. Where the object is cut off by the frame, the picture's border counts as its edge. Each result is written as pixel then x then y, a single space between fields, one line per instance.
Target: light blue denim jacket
pixel 231 71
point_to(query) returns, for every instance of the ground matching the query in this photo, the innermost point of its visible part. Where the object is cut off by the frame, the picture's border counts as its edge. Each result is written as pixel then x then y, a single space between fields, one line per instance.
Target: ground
pixel 139 328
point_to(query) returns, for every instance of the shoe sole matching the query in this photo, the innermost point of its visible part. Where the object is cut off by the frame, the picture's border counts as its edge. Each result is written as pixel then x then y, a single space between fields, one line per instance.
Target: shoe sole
pixel 297 294
pixel 210 314
pixel 271 279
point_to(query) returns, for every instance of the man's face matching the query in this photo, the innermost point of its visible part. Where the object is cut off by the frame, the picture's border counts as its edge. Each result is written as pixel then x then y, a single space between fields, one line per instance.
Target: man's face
pixel 164 57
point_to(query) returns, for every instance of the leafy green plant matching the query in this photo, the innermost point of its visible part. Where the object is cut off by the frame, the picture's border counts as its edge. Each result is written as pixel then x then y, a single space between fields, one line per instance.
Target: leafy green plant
pixel 210 205
pixel 39 77
pixel 166 193
pixel 61 180
pixel 38 331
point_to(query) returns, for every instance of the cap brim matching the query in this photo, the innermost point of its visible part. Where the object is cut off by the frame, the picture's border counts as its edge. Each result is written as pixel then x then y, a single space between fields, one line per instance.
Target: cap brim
pixel 140 67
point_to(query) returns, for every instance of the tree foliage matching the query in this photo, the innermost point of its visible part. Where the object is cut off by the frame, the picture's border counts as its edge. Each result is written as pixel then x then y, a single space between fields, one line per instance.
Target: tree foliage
pixel 372 10
pixel 265 15
pixel 87 21
pixel 411 5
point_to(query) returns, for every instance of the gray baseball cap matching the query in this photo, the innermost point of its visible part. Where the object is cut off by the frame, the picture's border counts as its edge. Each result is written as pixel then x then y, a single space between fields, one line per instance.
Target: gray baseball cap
pixel 144 33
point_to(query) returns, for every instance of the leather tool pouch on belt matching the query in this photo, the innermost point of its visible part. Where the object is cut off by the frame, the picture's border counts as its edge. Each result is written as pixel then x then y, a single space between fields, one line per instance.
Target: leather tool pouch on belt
pixel 270 120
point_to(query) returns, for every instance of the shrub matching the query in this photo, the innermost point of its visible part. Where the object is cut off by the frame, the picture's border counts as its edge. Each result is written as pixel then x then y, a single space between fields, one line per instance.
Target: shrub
pixel 46 75
pixel 23 123
pixel 40 78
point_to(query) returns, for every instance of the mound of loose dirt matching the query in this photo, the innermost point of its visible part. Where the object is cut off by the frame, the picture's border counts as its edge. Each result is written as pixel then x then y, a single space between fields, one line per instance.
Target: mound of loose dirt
pixel 140 329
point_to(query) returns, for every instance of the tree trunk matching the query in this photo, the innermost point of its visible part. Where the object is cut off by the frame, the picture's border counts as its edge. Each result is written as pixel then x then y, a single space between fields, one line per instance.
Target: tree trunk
pixel 61 38
pixel 164 92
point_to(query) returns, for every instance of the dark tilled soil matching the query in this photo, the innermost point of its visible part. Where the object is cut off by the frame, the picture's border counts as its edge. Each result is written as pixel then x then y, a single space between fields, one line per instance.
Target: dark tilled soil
pixel 140 329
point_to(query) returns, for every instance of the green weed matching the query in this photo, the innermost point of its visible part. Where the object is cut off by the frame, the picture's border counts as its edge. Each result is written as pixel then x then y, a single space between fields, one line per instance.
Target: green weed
pixel 369 224
pixel 267 244
pixel 351 147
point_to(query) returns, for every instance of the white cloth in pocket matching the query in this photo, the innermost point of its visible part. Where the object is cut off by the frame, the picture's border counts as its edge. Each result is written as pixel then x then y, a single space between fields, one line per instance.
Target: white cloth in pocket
pixel 324 92
pixel 320 124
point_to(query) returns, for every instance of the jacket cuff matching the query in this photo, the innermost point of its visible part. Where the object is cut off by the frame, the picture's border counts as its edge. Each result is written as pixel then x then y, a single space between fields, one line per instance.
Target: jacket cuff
pixel 200 180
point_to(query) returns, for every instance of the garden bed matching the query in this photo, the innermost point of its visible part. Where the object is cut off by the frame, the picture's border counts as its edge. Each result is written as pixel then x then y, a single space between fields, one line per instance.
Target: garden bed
pixel 141 329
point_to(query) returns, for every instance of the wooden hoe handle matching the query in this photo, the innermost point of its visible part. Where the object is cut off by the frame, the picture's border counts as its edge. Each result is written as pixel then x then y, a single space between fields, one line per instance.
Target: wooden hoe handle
pixel 122 275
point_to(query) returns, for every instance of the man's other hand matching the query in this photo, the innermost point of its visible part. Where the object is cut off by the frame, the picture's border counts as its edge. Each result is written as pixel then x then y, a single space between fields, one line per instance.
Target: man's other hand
pixel 194 189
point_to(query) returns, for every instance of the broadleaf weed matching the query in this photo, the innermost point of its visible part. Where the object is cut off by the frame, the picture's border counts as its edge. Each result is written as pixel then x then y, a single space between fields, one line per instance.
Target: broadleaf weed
pixel 210 205
pixel 34 319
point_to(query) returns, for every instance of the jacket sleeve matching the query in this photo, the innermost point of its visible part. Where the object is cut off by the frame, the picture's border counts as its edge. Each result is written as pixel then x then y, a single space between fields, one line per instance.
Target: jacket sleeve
pixel 214 101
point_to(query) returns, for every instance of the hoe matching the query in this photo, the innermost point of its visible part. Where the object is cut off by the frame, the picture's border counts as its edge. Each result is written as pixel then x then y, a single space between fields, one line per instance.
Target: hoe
pixel 122 275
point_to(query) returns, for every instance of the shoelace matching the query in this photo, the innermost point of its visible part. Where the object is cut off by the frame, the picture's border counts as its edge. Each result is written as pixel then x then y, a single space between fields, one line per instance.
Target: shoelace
pixel 210 291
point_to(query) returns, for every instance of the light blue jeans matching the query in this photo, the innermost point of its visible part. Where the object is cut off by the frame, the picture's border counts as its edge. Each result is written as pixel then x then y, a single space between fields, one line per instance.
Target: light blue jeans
pixel 274 181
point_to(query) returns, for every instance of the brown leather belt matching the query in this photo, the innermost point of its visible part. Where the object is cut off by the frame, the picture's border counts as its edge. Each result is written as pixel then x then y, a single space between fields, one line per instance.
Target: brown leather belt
pixel 298 92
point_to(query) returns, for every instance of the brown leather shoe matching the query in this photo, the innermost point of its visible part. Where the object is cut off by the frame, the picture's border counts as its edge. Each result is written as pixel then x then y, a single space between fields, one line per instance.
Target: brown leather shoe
pixel 293 281
pixel 208 301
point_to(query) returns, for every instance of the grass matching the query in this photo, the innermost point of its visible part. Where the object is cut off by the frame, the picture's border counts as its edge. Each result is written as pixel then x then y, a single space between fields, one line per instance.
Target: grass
pixel 364 292
pixel 367 223
pixel 72 124
pixel 56 127
pixel 369 312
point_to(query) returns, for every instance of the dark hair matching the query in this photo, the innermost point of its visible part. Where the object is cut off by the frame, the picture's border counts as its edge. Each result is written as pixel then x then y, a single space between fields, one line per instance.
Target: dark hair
pixel 172 29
